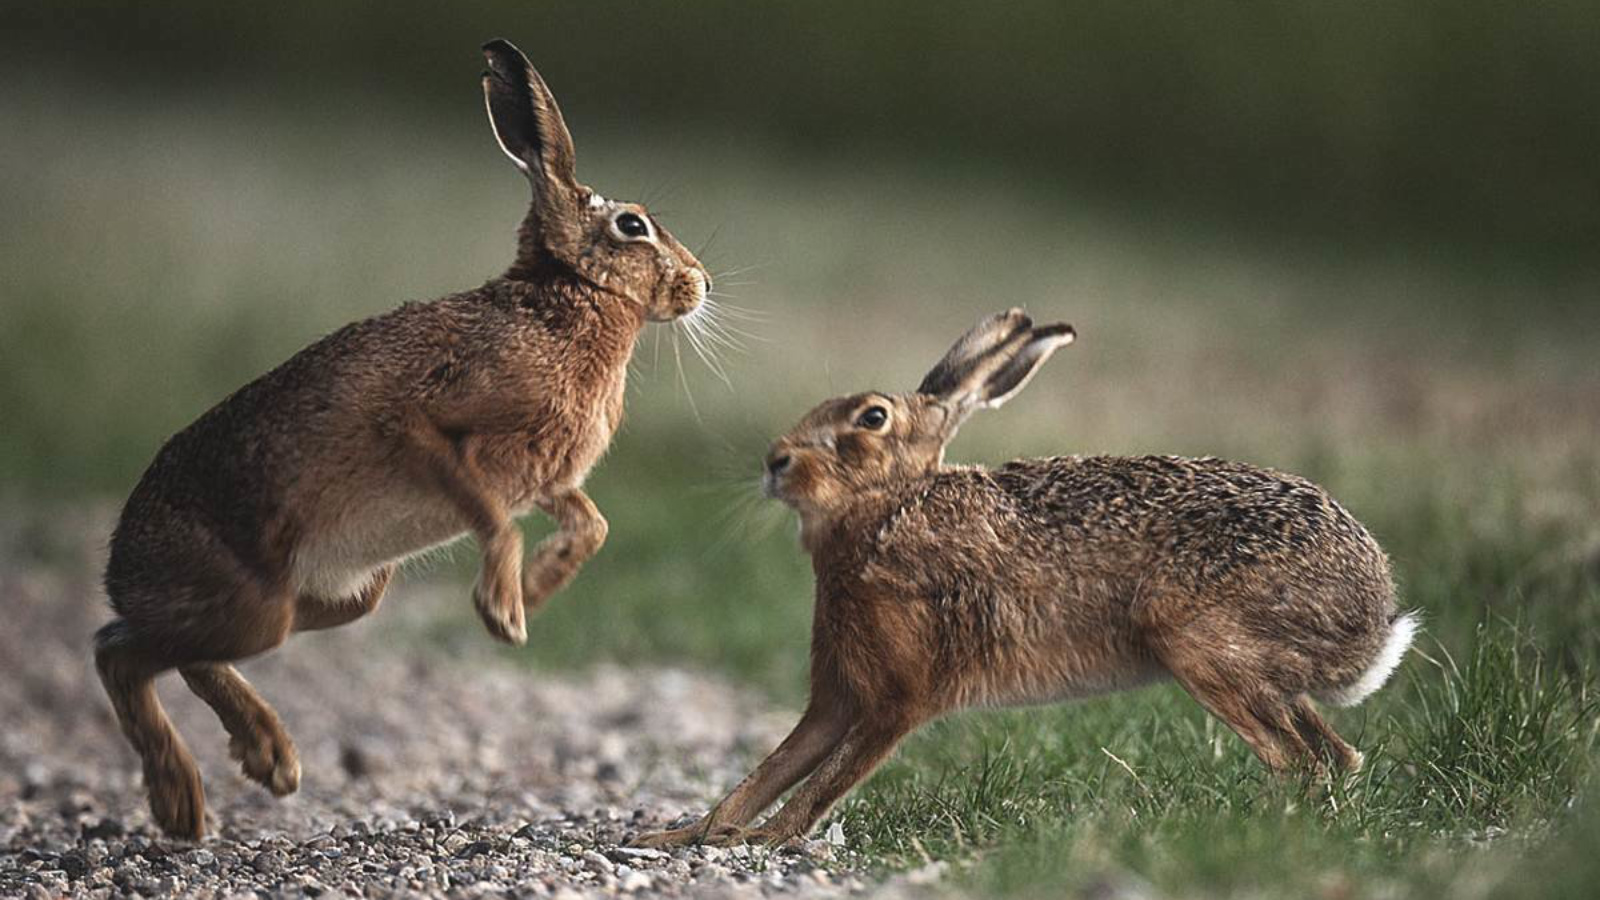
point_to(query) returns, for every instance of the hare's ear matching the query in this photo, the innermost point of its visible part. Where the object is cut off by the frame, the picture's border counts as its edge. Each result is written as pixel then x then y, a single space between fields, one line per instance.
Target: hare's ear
pixel 528 124
pixel 992 362
pixel 526 120
pixel 1016 372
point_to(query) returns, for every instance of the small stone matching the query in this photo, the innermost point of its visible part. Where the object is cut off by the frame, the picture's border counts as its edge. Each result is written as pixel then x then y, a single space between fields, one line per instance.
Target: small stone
pixel 202 858
pixel 624 854
pixel 818 850
pixel 269 861
pixel 105 828
pixel 356 761
pixel 74 863
pixel 598 863
pixel 634 882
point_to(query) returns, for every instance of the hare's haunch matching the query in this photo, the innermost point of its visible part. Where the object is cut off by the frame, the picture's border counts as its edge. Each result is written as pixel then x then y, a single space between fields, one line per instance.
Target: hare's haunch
pixel 288 506
pixel 943 587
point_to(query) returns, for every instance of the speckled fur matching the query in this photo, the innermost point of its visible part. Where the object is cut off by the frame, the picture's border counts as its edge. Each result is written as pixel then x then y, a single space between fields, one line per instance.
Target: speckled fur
pixel 947 587
pixel 289 505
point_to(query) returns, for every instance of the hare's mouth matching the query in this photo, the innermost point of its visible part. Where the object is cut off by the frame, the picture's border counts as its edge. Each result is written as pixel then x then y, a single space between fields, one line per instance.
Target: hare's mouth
pixel 682 297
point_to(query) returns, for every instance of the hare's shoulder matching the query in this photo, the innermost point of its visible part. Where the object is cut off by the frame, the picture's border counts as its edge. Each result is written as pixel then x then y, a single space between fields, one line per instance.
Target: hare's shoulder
pixel 951 517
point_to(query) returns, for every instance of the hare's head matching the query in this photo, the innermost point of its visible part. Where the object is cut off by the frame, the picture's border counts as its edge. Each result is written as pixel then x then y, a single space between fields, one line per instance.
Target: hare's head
pixel 853 445
pixel 614 245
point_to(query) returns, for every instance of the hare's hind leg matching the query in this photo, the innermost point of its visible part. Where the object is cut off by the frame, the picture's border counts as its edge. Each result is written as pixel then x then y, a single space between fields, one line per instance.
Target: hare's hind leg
pixel 1265 724
pixel 128 668
pixel 228 618
pixel 256 736
pixel 1242 697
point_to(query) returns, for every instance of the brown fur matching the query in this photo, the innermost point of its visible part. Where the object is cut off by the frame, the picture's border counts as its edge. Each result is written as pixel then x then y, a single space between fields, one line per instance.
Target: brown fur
pixel 288 506
pixel 946 587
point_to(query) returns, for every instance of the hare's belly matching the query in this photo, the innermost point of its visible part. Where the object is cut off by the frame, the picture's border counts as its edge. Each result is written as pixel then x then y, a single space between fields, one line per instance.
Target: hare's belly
pixel 1069 681
pixel 338 558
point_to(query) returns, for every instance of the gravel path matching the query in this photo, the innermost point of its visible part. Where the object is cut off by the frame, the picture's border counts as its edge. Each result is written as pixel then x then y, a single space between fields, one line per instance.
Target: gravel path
pixel 429 769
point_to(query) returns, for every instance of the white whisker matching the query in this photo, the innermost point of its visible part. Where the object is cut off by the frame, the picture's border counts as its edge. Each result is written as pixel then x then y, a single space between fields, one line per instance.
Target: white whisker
pixel 697 341
pixel 683 379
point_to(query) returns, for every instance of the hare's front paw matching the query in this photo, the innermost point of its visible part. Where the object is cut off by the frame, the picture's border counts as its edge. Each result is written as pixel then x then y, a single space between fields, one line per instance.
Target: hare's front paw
pixel 499 604
pixel 675 837
pixel 732 835
pixel 270 759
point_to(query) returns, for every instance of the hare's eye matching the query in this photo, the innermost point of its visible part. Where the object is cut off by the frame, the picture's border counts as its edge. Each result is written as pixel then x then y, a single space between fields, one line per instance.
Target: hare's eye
pixel 631 225
pixel 873 418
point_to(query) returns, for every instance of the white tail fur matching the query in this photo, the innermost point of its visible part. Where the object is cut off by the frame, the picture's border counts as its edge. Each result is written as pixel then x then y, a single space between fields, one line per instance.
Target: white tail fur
pixel 1401 632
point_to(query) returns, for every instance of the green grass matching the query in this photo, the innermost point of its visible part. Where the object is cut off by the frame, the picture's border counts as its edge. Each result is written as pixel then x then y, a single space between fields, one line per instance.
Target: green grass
pixel 1458 757
pixel 1451 409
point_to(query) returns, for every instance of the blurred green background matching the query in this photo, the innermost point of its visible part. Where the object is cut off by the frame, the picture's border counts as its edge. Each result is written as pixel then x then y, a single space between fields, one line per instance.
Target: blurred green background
pixel 1353 241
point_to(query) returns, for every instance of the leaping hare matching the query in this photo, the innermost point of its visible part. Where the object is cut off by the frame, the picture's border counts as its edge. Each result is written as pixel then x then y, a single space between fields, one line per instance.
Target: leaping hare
pixel 942 587
pixel 288 506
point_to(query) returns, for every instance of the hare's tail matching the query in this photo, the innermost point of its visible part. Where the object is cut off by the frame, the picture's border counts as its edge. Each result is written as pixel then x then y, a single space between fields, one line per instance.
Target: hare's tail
pixel 1401 632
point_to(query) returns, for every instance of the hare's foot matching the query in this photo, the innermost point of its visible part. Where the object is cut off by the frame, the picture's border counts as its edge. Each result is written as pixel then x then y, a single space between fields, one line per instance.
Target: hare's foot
pixel 268 757
pixel 498 593
pixel 761 836
pixel 177 798
pixel 672 837
pixel 256 736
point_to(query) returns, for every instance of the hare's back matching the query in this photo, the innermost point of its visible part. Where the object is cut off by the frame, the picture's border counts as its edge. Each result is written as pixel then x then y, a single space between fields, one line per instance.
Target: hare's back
pixel 1201 519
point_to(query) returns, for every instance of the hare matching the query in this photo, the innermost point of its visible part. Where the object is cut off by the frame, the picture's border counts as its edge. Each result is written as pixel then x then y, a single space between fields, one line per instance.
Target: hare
pixel 288 506
pixel 943 587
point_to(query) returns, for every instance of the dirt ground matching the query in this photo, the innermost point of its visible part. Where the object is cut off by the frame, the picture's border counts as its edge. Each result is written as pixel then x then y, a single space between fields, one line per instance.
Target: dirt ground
pixel 431 766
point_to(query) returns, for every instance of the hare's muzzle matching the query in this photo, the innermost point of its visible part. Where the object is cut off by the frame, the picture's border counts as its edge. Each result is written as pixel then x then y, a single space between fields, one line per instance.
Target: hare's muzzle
pixel 777 463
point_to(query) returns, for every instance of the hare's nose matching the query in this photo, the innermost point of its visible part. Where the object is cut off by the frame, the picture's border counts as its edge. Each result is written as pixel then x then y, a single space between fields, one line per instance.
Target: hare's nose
pixel 777 462
pixel 705 279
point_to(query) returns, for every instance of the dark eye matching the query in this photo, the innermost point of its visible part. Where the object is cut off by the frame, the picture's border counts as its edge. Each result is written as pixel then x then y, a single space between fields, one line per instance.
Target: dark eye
pixel 631 225
pixel 873 418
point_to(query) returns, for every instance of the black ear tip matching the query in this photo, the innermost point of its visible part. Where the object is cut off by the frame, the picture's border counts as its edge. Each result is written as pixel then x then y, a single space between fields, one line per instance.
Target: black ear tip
pixel 503 56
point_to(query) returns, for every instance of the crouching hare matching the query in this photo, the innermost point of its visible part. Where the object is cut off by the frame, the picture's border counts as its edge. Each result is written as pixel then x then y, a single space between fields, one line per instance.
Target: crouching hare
pixel 288 506
pixel 943 587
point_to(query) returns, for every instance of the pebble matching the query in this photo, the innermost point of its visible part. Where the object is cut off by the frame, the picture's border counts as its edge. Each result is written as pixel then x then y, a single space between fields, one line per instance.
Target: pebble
pixel 598 863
